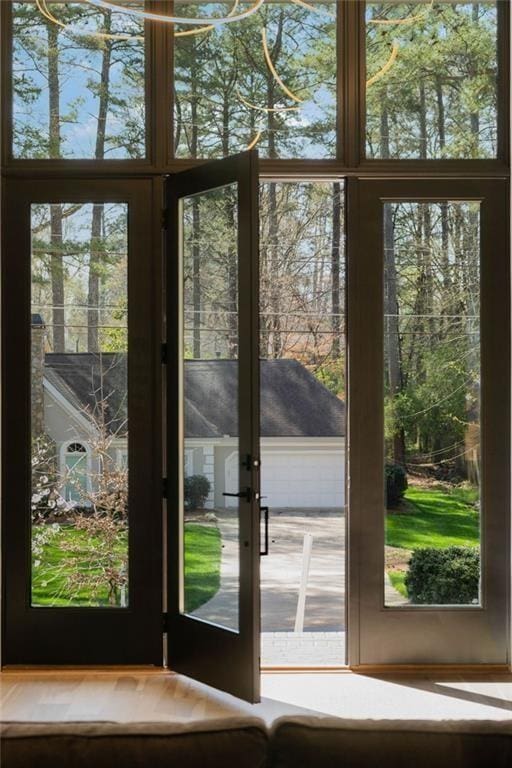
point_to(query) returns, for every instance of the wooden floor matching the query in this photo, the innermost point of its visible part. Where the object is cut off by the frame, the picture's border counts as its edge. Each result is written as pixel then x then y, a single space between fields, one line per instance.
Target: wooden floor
pixel 151 695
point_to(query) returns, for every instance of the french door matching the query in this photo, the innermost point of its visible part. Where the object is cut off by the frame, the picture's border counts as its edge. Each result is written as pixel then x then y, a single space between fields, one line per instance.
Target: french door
pixel 429 282
pixel 213 398
pixel 81 475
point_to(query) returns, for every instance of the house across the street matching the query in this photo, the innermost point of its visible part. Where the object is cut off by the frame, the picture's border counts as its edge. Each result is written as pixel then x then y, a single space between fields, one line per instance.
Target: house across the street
pixel 302 424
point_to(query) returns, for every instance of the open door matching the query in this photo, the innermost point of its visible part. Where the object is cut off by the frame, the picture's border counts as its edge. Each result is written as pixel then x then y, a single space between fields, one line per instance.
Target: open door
pixel 213 424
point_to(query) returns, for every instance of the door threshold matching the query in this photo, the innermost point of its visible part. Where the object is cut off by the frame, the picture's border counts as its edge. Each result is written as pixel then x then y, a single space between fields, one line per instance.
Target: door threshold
pixel 341 670
pixel 70 669
pixel 435 669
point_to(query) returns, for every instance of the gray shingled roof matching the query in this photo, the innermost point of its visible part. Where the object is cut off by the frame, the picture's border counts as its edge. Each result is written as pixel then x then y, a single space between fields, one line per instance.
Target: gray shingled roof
pixel 293 402
pixel 92 379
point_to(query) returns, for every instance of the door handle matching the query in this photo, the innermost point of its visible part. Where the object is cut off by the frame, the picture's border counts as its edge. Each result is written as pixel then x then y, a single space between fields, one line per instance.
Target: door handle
pixel 246 494
pixel 265 512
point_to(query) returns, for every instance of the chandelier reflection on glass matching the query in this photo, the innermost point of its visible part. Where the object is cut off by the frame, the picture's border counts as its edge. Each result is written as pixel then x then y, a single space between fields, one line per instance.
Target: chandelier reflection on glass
pixel 201 25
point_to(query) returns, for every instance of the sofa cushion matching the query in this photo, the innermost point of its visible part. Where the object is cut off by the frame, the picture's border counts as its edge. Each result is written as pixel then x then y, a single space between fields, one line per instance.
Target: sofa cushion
pixel 207 744
pixel 316 742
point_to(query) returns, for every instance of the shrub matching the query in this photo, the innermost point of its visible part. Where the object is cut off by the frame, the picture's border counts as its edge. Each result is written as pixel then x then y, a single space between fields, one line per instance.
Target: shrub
pixel 447 576
pixel 396 484
pixel 196 489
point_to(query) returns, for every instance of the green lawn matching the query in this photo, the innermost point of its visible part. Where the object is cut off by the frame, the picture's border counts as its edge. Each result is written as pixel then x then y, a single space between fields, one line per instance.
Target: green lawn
pixel 397 579
pixel 202 564
pixel 432 517
pixel 438 517
pixel 54 566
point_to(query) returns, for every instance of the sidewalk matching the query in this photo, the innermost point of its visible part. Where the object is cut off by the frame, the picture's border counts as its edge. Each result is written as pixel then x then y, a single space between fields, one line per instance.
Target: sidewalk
pixel 299 649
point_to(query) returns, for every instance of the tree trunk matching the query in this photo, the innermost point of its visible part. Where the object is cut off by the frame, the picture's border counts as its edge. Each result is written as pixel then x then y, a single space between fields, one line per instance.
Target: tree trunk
pixel 57 278
pixel 475 116
pixel 391 328
pixel 445 266
pixel 196 226
pixel 423 122
pixel 335 270
pixel 196 280
pixel 231 270
pixel 54 146
pixel 93 289
pixel 391 307
pixel 93 292
pixel 428 285
pixel 275 346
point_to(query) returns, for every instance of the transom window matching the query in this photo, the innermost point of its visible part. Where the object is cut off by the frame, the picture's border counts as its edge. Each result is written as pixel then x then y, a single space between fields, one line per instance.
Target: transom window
pixel 286 79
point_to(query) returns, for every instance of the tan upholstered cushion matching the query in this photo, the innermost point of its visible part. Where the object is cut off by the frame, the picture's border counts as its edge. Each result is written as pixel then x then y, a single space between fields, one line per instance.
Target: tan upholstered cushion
pixel 316 742
pixel 229 742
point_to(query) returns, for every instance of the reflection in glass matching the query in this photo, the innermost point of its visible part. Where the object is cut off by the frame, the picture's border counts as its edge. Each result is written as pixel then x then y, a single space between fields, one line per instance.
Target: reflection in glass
pixel 79 500
pixel 78 82
pixel 210 406
pixel 431 79
pixel 432 402
pixel 227 97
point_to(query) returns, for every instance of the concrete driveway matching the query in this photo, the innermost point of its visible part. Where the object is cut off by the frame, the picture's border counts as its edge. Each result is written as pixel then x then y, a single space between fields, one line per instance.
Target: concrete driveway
pixel 281 572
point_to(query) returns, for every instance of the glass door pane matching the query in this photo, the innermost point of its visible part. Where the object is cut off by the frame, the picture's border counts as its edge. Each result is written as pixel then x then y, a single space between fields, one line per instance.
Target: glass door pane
pixel 303 422
pixel 213 436
pixel 79 404
pixel 432 388
pixel 210 385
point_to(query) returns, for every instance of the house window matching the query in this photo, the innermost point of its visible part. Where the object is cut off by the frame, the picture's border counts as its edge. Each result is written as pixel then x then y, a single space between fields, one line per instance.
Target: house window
pixel 122 458
pixel 76 472
pixel 188 458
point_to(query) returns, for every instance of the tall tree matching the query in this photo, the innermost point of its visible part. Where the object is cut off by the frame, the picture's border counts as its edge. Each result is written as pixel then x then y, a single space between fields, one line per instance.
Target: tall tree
pixel 57 261
pixel 96 255
pixel 336 269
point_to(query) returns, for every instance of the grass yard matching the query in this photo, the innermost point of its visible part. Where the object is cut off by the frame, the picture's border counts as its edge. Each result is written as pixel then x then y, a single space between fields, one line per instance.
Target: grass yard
pixel 54 566
pixel 438 517
pixel 397 579
pixel 202 564
pixel 67 553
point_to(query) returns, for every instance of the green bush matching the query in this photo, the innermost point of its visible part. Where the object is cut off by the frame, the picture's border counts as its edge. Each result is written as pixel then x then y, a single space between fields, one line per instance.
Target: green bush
pixel 396 484
pixel 196 489
pixel 447 576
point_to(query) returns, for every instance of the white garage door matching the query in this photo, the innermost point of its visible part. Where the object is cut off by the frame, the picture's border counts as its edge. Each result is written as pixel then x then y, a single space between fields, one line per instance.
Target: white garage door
pixel 303 479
